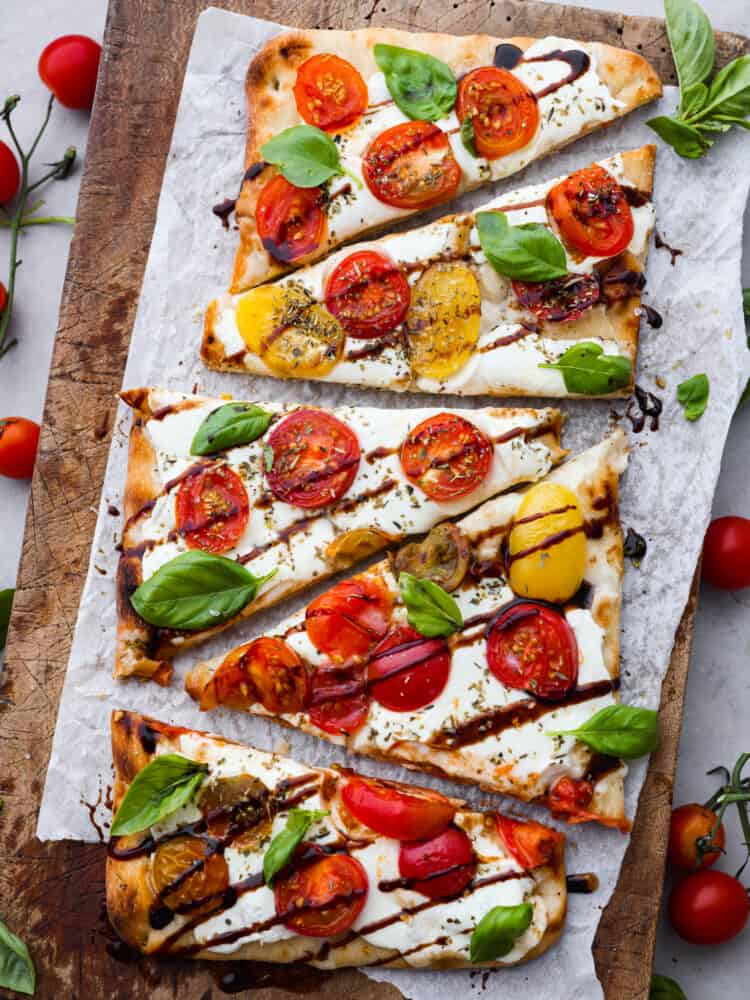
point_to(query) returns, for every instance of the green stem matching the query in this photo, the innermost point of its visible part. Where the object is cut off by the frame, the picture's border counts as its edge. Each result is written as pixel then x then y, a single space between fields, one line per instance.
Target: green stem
pixel 40 220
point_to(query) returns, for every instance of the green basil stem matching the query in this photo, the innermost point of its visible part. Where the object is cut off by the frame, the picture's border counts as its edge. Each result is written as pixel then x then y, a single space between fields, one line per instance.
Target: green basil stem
pixel 351 176
pixel 735 791
pixel 40 220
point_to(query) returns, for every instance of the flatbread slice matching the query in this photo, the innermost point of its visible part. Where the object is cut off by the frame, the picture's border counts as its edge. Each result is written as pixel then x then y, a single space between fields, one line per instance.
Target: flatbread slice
pixel 569 88
pixel 311 493
pixel 462 328
pixel 193 884
pixel 480 704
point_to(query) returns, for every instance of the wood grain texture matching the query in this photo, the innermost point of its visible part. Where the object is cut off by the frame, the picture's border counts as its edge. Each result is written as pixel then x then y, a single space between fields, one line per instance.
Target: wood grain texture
pixel 52 894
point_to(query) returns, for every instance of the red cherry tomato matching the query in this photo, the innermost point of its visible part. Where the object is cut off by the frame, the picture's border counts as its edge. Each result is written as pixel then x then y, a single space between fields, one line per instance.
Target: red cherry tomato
pixel 347 621
pixel 19 438
pixel 266 671
pixel 441 867
pixel 330 93
pixel 726 553
pixel 446 456
pixel 322 896
pixel 212 509
pixel 502 109
pixel 290 220
pixel 532 648
pixel 411 166
pixel 399 811
pixel 689 824
pixel 368 294
pixel 10 181
pixel 591 213
pixel 339 702
pixel 709 907
pixel 560 301
pixel 3 296
pixel 315 459
pixel 407 671
pixel 531 844
pixel 69 66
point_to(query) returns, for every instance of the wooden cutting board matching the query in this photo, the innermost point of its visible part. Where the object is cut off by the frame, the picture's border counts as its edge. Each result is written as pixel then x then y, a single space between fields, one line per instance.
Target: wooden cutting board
pixel 52 894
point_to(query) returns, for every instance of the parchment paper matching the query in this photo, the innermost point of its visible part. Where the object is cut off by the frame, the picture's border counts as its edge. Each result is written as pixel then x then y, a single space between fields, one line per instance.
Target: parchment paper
pixel 666 492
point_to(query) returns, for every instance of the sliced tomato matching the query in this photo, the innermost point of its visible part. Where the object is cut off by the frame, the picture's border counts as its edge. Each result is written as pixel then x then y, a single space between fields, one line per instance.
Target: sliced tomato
pixel 446 456
pixel 570 796
pixel 407 671
pixel 347 621
pixel 368 294
pixel 532 844
pixel 399 811
pixel 322 896
pixel 411 166
pixel 591 213
pixel 290 221
pixel 212 509
pixel 315 459
pixel 502 109
pixel 187 874
pixel 266 671
pixel 339 702
pixel 561 300
pixel 532 648
pixel 440 868
pixel 329 92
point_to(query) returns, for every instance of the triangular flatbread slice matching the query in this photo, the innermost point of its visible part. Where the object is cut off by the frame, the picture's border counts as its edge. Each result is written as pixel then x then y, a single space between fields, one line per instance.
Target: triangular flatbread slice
pixel 478 705
pixel 297 492
pixel 193 883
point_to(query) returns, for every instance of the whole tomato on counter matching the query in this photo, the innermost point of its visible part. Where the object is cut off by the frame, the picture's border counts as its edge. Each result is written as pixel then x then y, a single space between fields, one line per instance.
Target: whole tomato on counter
pixel 10 181
pixel 69 66
pixel 691 826
pixel 19 438
pixel 726 553
pixel 709 907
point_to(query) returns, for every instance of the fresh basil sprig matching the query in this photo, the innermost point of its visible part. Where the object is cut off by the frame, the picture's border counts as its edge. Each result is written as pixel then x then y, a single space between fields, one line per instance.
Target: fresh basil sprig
pixel 468 137
pixel 429 609
pixel 285 843
pixel 305 155
pixel 229 426
pixel 498 930
pixel 529 252
pixel 196 590
pixel 165 783
pixel 664 988
pixel 6 603
pixel 421 86
pixel 16 967
pixel 587 370
pixel 692 394
pixel 619 731
pixel 704 107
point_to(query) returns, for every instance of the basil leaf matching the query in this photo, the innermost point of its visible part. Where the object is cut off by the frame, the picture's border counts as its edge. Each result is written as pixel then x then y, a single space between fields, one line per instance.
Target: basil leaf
pixel 166 783
pixel 664 988
pixel 497 931
pixel 693 99
pixel 529 252
pixel 305 155
pixel 16 968
pixel 686 140
pixel 196 590
pixel 587 370
pixel 468 138
pixel 692 39
pixel 284 844
pixel 422 86
pixel 619 731
pixel 229 426
pixel 693 395
pixel 6 603
pixel 729 93
pixel 430 610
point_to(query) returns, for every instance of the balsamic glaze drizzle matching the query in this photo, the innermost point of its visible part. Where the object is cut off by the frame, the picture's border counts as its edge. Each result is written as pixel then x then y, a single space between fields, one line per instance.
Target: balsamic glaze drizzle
pixel 648 405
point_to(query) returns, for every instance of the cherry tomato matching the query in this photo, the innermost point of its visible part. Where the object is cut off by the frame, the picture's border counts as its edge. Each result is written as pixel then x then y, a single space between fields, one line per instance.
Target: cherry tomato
pixel 330 93
pixel 591 213
pixel 10 181
pixel 266 671
pixel 69 66
pixel 290 220
pixel 411 166
pixel 502 109
pixel 570 797
pixel 368 294
pixel 726 553
pixel 347 621
pixel 3 297
pixel 177 890
pixel 561 300
pixel 441 867
pixel 446 456
pixel 399 811
pixel 19 438
pixel 212 509
pixel 532 648
pixel 709 907
pixel 688 825
pixel 322 896
pixel 339 702
pixel 530 843
pixel 315 458
pixel 407 671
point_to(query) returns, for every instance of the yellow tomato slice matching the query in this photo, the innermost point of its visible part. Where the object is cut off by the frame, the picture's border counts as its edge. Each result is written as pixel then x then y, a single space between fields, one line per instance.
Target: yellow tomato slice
pixel 547 544
pixel 443 320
